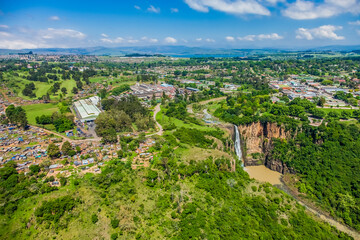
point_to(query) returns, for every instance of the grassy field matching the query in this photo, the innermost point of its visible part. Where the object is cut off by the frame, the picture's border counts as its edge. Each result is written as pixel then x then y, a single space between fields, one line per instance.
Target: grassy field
pixel 199 154
pixel 327 110
pixel 35 110
pixel 18 84
pixel 163 120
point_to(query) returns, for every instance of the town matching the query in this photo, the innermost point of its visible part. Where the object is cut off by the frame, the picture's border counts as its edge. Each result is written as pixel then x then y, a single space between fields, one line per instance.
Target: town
pixel 67 120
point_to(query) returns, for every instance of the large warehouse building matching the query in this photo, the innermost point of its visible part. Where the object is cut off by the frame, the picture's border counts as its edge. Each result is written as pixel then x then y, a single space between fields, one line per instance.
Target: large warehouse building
pixel 86 109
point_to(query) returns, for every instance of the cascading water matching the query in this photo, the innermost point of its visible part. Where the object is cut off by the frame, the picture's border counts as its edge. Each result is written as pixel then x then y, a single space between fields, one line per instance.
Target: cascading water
pixel 237 145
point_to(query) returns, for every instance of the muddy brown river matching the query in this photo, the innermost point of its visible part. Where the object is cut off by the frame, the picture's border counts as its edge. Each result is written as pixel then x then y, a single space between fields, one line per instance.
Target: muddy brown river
pixel 264 174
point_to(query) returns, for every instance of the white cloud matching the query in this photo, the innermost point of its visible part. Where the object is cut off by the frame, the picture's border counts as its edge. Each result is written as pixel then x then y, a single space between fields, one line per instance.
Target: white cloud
pixel 153 40
pixel 137 7
pixel 133 41
pixel 322 32
pixel 106 40
pixel 232 7
pixel 153 9
pixel 52 33
pixel 4 26
pixel 104 35
pixel 116 40
pixel 16 44
pixel 5 34
pixel 273 2
pixel 271 36
pixel 44 38
pixel 174 10
pixel 301 9
pixel 247 38
pixel 149 40
pixel 170 40
pixel 54 18
pixel 230 39
pixel 355 23
pixel 208 40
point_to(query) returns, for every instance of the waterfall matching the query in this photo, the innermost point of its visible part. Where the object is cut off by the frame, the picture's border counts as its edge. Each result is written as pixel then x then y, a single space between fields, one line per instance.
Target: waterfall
pixel 237 145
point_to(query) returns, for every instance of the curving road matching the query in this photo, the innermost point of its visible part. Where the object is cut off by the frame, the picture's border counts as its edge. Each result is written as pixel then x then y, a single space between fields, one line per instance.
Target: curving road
pixel 156 110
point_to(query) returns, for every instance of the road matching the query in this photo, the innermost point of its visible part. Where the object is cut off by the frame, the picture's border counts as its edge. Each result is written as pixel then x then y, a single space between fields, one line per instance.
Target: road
pixel 66 138
pixel 156 110
pixel 190 109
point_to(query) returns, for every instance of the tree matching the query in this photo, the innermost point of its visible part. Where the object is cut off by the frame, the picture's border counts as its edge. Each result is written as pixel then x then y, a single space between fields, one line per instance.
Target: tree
pixel 153 100
pixel 321 101
pixel 74 90
pixel 79 84
pixel 94 218
pixel 17 115
pixel 53 151
pixel 34 169
pixel 114 223
pixel 102 93
pixel 66 148
pixel 64 90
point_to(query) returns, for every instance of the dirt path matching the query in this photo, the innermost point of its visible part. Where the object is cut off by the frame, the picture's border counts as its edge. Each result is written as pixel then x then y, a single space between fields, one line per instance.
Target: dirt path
pixel 190 109
pixel 345 108
pixel 341 227
pixel 160 132
pixel 212 100
pixel 66 138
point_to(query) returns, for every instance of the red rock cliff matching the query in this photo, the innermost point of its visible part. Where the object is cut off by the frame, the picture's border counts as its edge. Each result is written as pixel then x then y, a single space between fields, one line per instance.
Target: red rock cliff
pixel 256 139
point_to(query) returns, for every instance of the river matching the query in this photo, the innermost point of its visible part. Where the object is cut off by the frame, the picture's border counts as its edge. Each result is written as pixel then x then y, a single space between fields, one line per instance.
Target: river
pixel 264 174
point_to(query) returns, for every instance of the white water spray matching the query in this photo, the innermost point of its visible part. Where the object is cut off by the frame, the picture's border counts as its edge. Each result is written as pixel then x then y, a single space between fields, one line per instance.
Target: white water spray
pixel 237 145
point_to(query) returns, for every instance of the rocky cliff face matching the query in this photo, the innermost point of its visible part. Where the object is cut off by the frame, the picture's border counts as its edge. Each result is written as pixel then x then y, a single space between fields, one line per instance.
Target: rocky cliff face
pixel 257 144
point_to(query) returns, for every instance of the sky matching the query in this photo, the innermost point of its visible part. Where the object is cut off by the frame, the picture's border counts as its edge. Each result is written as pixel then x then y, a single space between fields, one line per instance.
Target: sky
pixel 195 23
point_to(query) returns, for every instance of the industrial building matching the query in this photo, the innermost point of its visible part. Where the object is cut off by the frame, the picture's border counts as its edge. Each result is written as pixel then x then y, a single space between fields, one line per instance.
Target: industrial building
pixel 86 110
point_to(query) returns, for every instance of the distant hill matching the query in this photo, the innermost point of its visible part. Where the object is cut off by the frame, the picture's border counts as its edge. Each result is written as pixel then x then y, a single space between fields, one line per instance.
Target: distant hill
pixel 176 51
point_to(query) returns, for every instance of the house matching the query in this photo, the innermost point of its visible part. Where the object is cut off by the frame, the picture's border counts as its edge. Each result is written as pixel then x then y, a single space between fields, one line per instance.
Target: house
pixel 77 163
pixel 69 133
pixel 55 166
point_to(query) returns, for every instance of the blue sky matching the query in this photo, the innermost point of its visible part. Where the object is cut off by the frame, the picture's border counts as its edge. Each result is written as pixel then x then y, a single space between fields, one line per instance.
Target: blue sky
pixel 202 23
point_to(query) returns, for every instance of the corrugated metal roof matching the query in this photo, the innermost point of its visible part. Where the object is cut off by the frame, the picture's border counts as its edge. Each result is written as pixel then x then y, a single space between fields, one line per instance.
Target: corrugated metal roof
pixel 86 109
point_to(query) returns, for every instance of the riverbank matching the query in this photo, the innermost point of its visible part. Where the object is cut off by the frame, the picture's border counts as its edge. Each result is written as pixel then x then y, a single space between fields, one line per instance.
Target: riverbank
pixel 318 213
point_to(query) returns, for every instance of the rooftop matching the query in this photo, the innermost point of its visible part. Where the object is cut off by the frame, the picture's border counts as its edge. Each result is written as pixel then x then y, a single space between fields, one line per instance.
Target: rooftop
pixel 86 110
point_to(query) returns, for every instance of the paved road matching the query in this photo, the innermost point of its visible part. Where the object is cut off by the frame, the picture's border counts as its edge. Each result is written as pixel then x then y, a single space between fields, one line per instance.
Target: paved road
pixel 160 132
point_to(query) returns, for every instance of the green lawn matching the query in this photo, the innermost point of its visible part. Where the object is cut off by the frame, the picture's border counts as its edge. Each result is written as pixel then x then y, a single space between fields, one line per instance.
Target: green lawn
pixel 327 110
pixel 35 110
pixel 163 120
pixel 69 85
pixel 41 88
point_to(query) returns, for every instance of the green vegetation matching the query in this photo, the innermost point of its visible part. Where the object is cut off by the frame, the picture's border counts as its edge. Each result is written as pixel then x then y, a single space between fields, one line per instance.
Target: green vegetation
pixel 192 186
pixel 16 115
pixel 207 201
pixel 34 110
pixel 328 163
pixel 119 116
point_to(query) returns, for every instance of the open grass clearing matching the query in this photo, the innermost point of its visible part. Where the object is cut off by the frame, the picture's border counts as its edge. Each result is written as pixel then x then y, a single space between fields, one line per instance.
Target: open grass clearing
pixel 164 120
pixel 200 154
pixel 34 110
